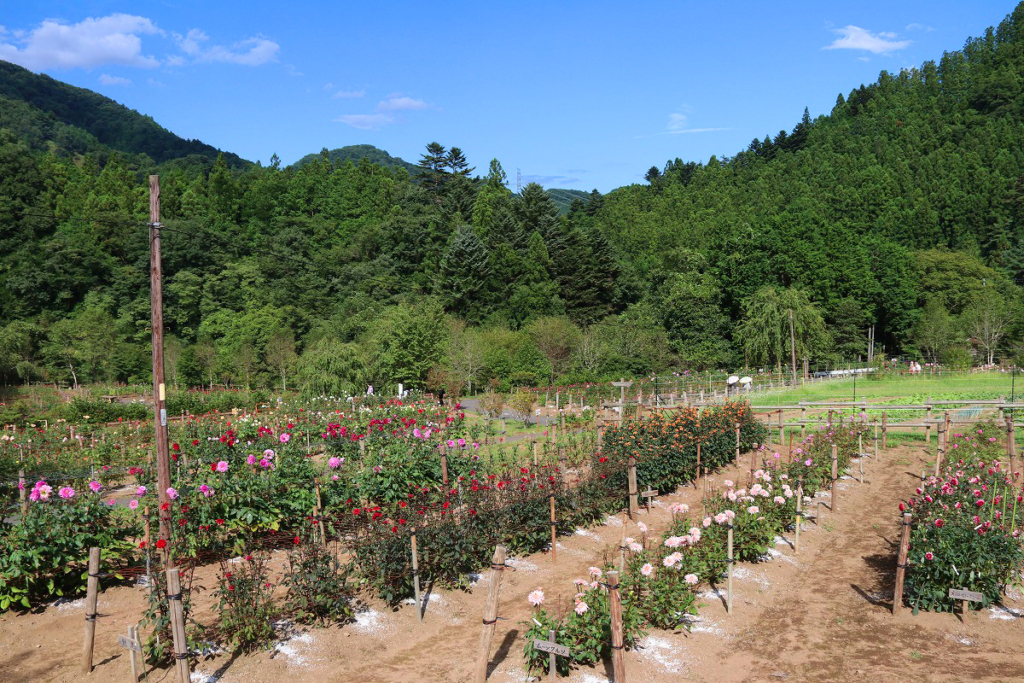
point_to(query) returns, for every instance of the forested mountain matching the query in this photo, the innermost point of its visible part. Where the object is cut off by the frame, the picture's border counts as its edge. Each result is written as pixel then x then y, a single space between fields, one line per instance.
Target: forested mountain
pixel 563 199
pixel 901 209
pixel 46 113
pixel 356 153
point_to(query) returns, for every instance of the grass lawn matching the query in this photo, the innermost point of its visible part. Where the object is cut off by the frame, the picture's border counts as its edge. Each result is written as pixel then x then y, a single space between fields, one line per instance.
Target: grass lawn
pixel 967 386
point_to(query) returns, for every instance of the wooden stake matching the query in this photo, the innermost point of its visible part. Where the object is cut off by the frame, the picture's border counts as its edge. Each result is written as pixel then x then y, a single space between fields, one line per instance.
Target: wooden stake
pixel 91 595
pixel 22 493
pixel 444 465
pixel 835 477
pixel 552 659
pixel 615 600
pixel 885 429
pixel 928 420
pixel 416 574
pixel 634 508
pixel 901 564
pixel 940 447
pixel 554 530
pixel 178 625
pixel 133 634
pixel 737 443
pixel 799 516
pixel 696 482
pixel 729 563
pixel 490 614
pixel 1011 446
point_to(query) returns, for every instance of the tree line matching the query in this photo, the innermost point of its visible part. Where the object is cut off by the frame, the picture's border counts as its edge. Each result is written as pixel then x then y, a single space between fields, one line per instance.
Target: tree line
pixel 900 210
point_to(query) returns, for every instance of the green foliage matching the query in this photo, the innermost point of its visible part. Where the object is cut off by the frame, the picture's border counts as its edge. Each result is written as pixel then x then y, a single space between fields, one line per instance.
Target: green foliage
pixel 316 582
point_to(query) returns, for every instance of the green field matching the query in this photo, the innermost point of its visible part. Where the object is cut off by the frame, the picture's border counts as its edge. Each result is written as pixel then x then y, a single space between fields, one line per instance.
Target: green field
pixel 966 386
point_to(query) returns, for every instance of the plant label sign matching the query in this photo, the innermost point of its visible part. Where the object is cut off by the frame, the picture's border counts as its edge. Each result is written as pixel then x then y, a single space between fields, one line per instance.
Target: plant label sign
pixel 553 648
pixel 622 384
pixel 129 644
pixel 957 594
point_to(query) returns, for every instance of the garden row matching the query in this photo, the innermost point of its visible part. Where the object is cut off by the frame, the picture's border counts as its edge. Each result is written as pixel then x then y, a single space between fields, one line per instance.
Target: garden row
pixel 661 577
pixel 965 525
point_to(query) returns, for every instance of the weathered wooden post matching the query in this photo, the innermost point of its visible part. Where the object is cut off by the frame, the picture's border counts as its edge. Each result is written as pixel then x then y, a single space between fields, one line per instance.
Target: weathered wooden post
pixel 634 507
pixel 91 596
pixel 554 529
pixel 799 513
pixel 1011 446
pixel 885 430
pixel 178 625
pixel 729 563
pixel 928 422
pixel 901 564
pixel 940 447
pixel 416 574
pixel 22 493
pixel 615 601
pixel 490 614
pixel 835 478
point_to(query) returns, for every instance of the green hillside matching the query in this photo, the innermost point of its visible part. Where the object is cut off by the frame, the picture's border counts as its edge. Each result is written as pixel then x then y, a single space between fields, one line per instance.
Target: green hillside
pixel 901 210
pixel 563 199
pixel 355 153
pixel 48 114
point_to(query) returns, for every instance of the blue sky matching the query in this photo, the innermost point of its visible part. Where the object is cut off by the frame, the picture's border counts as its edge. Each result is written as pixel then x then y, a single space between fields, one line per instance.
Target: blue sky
pixel 574 94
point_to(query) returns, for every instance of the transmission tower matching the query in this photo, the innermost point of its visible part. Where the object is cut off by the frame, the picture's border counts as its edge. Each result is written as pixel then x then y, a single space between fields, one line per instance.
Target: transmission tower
pixel 519 181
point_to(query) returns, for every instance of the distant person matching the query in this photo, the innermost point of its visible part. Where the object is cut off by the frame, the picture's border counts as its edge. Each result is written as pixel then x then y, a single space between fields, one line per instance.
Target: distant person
pixel 440 397
pixel 369 390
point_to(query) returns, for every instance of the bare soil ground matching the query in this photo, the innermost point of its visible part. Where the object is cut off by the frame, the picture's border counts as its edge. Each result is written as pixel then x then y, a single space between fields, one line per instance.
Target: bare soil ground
pixel 821 615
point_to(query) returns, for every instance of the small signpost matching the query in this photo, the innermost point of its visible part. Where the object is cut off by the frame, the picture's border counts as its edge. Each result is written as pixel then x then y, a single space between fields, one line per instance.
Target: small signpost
pixel 648 494
pixel 965 596
pixel 554 651
pixel 622 384
pixel 132 644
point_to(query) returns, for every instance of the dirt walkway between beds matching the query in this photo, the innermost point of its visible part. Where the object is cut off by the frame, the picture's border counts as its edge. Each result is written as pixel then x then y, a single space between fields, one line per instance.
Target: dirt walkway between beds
pixel 822 615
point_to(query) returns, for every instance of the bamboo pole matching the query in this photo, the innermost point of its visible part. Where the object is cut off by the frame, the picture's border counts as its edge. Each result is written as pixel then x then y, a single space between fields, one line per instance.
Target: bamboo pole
pixel 615 600
pixel 178 625
pixel 901 564
pixel 490 614
pixel 91 596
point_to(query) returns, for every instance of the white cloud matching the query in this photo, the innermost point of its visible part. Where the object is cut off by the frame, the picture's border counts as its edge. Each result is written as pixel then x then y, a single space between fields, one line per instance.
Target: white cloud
pixel 345 94
pixel 919 27
pixel 863 59
pixel 328 86
pixel 175 60
pixel 676 121
pixel 856 38
pixel 366 121
pixel 92 42
pixel 155 83
pixel 396 103
pixel 249 52
pixel 107 79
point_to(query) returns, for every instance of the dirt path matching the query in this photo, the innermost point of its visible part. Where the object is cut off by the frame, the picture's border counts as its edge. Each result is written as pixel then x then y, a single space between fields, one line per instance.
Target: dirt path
pixel 822 615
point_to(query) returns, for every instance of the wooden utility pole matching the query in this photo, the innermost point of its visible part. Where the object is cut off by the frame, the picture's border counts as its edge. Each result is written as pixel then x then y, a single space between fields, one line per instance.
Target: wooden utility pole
pixel 156 303
pixel 490 615
pixel 792 344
